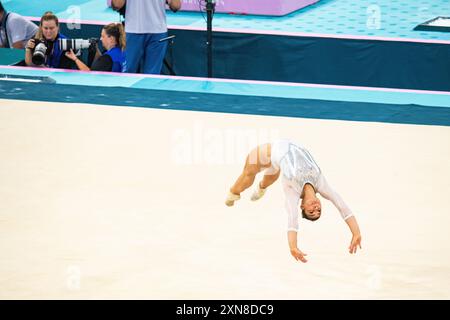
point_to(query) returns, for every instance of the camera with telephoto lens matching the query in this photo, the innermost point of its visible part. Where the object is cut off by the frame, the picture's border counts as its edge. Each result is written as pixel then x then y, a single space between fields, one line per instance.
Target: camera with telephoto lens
pixel 40 52
pixel 76 44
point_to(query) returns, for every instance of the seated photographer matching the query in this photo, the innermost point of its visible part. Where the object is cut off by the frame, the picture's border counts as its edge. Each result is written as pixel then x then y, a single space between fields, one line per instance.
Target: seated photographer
pixel 113 59
pixel 15 30
pixel 44 49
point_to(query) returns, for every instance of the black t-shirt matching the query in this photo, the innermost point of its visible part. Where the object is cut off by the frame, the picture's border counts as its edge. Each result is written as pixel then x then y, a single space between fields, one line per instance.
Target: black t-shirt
pixel 103 63
pixel 66 63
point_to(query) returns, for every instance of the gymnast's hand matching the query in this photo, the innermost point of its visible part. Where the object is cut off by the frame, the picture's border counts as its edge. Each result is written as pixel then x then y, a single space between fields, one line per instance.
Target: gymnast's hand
pixel 355 243
pixel 298 255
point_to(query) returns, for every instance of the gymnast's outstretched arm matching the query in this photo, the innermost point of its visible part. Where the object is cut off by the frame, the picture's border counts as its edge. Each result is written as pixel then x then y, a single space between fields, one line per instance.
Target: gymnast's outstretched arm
pixel 292 201
pixel 356 234
pixel 328 193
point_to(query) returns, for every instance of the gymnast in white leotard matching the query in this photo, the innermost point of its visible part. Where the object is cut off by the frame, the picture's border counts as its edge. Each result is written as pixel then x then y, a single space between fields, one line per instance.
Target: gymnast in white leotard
pixel 301 178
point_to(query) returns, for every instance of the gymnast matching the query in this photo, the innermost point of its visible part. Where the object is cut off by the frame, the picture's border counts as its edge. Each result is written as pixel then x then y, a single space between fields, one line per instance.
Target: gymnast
pixel 301 180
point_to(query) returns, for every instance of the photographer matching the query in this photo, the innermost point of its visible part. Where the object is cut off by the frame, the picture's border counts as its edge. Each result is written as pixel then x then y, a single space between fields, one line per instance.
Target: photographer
pixel 145 26
pixel 113 41
pixel 15 30
pixel 45 45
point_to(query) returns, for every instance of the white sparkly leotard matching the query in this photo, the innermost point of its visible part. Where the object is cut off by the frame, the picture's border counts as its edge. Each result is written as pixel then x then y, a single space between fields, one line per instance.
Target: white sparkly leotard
pixel 298 168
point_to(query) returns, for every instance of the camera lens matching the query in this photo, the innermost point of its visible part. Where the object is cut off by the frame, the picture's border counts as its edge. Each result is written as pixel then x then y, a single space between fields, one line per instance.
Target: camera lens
pixel 74 44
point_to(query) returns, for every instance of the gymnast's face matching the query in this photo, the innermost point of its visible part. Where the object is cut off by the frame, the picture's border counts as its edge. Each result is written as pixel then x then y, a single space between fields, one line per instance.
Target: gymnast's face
pixel 312 208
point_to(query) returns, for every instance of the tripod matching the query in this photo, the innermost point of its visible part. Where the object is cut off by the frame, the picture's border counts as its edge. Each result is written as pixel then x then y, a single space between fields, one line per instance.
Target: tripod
pixel 210 7
pixel 166 63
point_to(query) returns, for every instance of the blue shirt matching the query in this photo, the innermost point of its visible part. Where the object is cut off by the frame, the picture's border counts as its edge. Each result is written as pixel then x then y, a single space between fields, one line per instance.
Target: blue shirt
pixel 118 58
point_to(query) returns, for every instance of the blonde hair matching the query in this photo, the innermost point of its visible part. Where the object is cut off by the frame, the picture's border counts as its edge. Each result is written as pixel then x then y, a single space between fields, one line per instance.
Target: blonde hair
pixel 117 31
pixel 48 16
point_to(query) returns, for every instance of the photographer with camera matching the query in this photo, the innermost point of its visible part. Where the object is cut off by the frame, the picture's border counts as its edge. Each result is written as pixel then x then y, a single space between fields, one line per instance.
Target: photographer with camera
pixel 145 26
pixel 113 59
pixel 44 50
pixel 15 30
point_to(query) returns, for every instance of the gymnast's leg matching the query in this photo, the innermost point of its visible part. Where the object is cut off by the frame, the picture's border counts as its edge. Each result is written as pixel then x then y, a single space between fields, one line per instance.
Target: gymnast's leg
pixel 257 160
pixel 270 176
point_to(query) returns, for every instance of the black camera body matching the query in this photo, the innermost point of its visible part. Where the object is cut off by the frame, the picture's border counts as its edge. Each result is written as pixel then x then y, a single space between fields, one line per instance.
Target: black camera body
pixel 40 52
